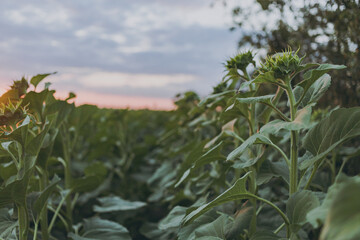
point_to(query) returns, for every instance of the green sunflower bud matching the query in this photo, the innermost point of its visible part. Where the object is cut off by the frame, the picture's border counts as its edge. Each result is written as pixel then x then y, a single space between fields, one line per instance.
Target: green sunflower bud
pixel 240 61
pixel 283 65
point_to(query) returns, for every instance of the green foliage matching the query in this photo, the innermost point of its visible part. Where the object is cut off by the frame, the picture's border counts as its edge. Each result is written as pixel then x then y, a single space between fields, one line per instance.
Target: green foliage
pixel 326 31
pixel 238 164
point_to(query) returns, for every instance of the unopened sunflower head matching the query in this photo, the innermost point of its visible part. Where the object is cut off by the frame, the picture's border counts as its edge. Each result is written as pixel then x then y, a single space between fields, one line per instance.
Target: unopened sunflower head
pixel 240 61
pixel 283 65
pixel 11 113
pixel 20 86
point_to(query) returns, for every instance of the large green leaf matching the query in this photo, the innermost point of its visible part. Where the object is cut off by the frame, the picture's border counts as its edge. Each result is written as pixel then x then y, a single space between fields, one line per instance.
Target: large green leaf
pixel 301 121
pixel 342 124
pixel 298 205
pixel 340 210
pixel 188 232
pixel 343 218
pixel 213 230
pixel 115 203
pixel 236 192
pixel 173 219
pixel 99 229
pixel 36 100
pixel 315 92
pixel 312 75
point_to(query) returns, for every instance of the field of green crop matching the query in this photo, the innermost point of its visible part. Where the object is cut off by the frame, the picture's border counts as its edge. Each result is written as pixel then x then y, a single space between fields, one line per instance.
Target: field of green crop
pixel 256 159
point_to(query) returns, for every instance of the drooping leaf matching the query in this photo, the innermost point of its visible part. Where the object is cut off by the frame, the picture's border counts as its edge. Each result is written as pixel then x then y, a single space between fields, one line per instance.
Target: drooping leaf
pixel 173 219
pixel 115 203
pixel 315 92
pixel 236 192
pixel 342 124
pixel 306 67
pixel 312 75
pixel 213 230
pixel 301 121
pixel 38 78
pixel 35 101
pixel 298 205
pixel 188 232
pixel 99 229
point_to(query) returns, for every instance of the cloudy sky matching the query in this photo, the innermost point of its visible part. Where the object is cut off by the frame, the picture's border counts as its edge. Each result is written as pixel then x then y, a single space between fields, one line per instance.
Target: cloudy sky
pixel 117 53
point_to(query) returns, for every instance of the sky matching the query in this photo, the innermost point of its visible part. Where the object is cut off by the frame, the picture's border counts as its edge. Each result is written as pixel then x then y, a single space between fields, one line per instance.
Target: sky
pixel 123 53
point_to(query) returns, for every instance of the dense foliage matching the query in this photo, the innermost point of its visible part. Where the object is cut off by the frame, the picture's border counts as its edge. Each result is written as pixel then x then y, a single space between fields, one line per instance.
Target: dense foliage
pixel 326 31
pixel 236 164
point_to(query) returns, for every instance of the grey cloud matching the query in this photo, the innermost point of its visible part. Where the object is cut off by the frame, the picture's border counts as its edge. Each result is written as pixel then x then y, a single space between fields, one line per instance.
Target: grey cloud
pixel 195 49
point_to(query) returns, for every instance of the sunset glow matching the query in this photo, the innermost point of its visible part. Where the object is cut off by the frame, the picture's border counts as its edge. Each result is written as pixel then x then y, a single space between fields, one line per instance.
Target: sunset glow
pixel 119 101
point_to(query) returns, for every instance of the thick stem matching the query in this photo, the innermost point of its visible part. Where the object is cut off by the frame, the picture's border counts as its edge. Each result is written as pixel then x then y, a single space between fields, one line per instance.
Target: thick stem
pixel 252 105
pixel 294 143
pixel 252 187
